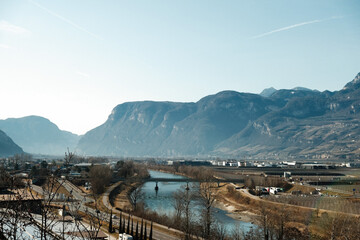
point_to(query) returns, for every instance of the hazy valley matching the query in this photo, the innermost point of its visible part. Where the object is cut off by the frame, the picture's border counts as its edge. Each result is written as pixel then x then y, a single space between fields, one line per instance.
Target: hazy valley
pixel 297 123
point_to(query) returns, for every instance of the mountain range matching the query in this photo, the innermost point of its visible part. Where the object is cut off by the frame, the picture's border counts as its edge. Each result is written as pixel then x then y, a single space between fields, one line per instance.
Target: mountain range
pixel 299 123
pixel 276 124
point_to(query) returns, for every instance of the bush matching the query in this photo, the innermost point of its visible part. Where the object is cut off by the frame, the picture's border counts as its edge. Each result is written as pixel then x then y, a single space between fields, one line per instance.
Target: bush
pixel 230 189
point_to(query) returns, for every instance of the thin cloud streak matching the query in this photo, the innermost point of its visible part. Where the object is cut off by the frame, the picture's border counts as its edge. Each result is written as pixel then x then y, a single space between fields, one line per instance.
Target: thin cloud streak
pixel 293 26
pixel 65 19
pixel 83 74
pixel 8 27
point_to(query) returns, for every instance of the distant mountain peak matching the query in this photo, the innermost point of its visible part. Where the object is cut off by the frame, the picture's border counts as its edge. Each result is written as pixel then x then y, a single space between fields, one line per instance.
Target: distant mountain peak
pixel 267 92
pixel 304 89
pixel 355 83
pixel 357 78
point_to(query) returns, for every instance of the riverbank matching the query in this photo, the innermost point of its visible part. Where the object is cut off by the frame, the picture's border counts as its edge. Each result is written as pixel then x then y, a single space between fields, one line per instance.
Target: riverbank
pixel 158 169
pixel 235 213
pixel 234 210
pixel 121 199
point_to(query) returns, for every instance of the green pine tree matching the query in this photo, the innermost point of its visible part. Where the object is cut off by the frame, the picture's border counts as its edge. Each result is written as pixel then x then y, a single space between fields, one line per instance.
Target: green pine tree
pixel 151 231
pixel 110 223
pixel 142 229
pixel 137 231
pixel 128 225
pixel 120 222
pixel 132 227
pixel 145 232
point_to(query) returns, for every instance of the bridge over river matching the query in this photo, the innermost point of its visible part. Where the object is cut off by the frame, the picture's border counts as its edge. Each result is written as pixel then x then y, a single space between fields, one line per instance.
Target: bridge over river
pixel 185 180
pixel 192 180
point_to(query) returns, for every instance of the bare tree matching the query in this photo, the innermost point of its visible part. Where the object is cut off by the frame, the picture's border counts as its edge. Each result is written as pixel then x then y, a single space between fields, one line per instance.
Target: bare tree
pixel 249 182
pixel 264 222
pixel 278 220
pixel 12 208
pixel 343 226
pixel 49 213
pixel 184 200
pixel 136 196
pixel 88 226
pixel 100 177
pixel 208 195
pixel 178 205
pixel 237 234
pixel 69 156
pixel 25 207
pixel 220 231
pixel 17 214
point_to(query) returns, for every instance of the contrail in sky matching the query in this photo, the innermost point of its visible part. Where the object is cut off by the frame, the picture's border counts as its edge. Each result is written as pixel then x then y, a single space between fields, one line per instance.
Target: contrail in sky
pixel 292 26
pixel 8 27
pixel 65 19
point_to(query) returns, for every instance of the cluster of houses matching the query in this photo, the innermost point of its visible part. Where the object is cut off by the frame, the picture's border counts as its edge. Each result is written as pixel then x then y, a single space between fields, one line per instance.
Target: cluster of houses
pixel 282 164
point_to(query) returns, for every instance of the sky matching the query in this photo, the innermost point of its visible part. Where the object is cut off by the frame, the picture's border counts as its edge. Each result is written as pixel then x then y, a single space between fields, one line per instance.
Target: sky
pixel 74 61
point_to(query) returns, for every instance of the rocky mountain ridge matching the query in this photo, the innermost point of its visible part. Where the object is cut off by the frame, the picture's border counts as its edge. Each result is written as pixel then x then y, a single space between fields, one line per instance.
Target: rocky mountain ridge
pixel 276 124
pixel 296 123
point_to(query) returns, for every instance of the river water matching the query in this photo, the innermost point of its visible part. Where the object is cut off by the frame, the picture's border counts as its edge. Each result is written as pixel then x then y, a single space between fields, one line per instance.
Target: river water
pixel 162 201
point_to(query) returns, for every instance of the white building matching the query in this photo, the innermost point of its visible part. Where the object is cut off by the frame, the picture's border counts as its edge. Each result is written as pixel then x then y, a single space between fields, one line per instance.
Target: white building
pixel 124 236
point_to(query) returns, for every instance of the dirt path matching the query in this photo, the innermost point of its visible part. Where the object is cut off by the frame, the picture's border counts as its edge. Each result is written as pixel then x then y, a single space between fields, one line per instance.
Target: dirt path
pixel 105 196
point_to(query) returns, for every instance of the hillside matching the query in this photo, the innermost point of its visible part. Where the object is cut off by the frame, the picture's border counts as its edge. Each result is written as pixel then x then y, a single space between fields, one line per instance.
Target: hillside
pixel 38 135
pixel 166 128
pixel 299 123
pixel 7 146
pixel 322 125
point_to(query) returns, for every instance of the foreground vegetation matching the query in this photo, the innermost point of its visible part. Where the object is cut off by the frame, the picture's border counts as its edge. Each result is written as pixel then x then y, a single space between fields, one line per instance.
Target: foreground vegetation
pixel 279 217
pixel 285 217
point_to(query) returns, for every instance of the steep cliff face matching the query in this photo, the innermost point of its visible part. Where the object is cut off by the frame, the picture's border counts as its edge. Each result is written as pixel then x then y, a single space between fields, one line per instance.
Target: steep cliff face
pixel 321 125
pixel 297 122
pixel 165 128
pixel 136 128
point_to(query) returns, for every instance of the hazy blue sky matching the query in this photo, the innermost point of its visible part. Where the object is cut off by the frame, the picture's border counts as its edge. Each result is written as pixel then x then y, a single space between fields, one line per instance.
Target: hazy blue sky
pixel 74 61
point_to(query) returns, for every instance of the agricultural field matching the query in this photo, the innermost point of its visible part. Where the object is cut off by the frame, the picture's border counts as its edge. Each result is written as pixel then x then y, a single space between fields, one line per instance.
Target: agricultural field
pixel 345 188
pixel 354 172
pixel 345 205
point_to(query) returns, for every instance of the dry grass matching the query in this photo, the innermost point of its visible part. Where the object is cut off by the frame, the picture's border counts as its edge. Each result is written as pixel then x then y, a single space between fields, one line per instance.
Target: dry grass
pixel 334 204
pixel 348 188
pixel 55 187
pixel 333 193
pixel 121 200
pixel 82 188
pixel 64 191
pixel 302 188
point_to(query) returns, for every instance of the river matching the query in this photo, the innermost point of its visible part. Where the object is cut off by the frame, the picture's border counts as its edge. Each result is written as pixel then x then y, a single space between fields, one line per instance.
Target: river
pixel 162 201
